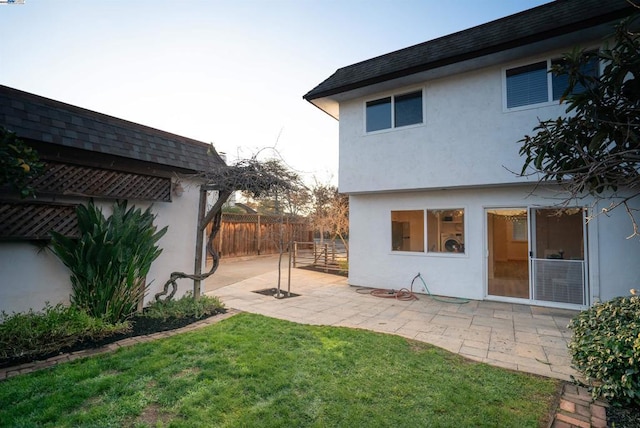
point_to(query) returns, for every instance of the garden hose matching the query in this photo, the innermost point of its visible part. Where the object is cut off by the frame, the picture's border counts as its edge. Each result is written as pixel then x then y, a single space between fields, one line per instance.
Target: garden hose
pixel 454 300
pixel 402 294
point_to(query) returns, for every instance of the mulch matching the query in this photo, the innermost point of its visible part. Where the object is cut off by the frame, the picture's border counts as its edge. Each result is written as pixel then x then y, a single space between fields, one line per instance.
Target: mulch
pixel 141 326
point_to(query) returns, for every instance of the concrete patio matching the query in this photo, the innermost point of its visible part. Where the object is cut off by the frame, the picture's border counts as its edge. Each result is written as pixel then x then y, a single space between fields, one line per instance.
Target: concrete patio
pixel 519 337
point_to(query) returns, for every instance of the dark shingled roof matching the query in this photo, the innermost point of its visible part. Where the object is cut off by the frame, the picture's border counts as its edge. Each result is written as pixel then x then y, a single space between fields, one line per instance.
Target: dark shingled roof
pixel 45 120
pixel 543 22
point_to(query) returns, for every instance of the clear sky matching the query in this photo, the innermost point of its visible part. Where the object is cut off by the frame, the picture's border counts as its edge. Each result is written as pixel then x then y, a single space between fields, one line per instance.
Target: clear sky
pixel 227 72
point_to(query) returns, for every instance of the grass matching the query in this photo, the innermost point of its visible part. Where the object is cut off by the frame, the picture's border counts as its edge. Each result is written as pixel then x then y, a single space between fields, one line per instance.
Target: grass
pixel 250 370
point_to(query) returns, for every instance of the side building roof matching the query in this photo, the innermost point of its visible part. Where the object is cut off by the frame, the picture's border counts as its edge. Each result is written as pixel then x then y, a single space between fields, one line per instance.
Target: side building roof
pixel 51 122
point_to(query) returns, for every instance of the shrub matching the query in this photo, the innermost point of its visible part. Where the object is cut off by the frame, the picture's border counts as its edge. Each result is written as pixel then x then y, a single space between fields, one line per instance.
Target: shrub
pixel 110 260
pixel 343 264
pixel 606 349
pixel 19 163
pixel 184 307
pixel 54 328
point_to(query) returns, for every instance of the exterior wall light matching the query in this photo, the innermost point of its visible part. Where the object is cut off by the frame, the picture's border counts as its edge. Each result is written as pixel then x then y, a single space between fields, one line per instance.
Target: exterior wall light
pixel 178 190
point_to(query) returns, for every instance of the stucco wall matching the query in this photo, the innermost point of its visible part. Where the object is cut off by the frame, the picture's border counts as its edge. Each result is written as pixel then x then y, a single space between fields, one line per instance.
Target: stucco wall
pixel 612 258
pixel 617 270
pixel 29 276
pixel 467 138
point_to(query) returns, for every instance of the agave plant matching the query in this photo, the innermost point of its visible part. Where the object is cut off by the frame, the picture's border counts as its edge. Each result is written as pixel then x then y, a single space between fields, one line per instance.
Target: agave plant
pixel 110 260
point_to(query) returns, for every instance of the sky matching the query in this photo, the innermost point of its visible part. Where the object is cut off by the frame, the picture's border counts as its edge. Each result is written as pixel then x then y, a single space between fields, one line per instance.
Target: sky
pixel 227 72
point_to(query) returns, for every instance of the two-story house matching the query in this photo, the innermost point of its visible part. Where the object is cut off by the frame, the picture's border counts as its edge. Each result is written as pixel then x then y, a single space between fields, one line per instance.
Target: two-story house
pixel 429 157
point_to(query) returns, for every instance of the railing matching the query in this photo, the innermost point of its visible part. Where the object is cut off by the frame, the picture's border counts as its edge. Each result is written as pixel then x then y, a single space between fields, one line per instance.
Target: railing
pixel 327 256
pixel 559 280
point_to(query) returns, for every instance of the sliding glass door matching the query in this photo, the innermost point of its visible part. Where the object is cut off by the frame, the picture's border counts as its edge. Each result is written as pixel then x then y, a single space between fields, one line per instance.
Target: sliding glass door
pixel 537 254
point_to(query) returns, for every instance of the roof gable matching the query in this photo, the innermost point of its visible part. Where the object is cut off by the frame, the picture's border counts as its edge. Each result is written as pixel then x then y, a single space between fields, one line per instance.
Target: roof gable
pixel 36 118
pixel 533 25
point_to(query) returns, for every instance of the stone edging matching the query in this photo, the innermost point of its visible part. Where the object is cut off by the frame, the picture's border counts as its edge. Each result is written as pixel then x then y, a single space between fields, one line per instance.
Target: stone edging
pixel 33 366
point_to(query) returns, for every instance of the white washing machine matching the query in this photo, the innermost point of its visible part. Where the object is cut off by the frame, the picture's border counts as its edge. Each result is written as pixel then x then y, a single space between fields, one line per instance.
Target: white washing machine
pixel 451 243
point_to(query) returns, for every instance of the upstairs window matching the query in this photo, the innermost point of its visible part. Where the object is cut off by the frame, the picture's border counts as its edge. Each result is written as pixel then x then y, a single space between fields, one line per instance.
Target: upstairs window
pixel 561 83
pixel 527 85
pixel 394 112
pixel 533 84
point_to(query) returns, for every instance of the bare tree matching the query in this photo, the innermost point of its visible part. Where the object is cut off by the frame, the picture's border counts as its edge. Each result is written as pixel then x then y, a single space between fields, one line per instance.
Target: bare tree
pixel 330 212
pixel 249 175
pixel 293 200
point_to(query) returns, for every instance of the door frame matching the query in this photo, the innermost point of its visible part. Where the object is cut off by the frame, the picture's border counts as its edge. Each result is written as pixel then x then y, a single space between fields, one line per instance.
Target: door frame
pixel 531 227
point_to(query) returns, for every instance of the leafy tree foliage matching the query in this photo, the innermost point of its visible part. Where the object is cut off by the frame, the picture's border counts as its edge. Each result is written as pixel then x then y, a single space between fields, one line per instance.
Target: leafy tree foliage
pixel 19 163
pixel 595 148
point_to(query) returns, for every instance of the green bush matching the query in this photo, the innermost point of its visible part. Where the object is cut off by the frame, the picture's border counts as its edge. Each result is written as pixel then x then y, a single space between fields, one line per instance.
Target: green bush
pixel 19 163
pixel 55 327
pixel 343 264
pixel 606 349
pixel 186 306
pixel 110 260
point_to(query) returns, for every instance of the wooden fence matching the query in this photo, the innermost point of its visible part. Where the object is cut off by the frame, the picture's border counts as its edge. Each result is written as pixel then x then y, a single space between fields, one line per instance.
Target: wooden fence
pixel 256 234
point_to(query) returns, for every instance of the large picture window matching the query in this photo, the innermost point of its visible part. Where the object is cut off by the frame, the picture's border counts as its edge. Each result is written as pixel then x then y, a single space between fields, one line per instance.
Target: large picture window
pixel 394 112
pixel 407 230
pixel 533 84
pixel 445 231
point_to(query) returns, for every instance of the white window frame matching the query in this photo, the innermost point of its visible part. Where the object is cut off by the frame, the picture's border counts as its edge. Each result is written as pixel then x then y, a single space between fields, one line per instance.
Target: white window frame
pixel 393 118
pixel 465 253
pixel 550 101
pixel 424 232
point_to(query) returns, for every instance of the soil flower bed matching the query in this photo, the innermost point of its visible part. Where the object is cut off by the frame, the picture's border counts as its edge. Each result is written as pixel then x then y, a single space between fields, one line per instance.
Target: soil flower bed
pixel 140 326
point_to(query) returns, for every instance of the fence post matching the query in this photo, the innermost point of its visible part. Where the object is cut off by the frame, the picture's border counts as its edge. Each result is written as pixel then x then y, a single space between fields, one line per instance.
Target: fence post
pixel 295 252
pixel 259 238
pixel 326 258
pixel 289 274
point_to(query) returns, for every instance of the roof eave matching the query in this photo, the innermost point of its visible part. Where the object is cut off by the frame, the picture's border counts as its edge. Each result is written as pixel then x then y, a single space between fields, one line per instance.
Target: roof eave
pixel 597 21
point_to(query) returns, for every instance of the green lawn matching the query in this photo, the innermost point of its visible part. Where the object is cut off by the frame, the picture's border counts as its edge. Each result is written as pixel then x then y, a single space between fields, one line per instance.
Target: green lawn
pixel 250 370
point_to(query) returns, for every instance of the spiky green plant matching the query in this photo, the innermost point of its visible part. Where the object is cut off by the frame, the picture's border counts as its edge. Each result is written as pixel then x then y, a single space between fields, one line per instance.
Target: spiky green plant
pixel 110 260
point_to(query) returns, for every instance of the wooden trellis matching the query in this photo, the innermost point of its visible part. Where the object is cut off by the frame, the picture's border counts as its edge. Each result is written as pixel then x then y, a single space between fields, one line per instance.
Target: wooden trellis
pixel 34 221
pixel 75 180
